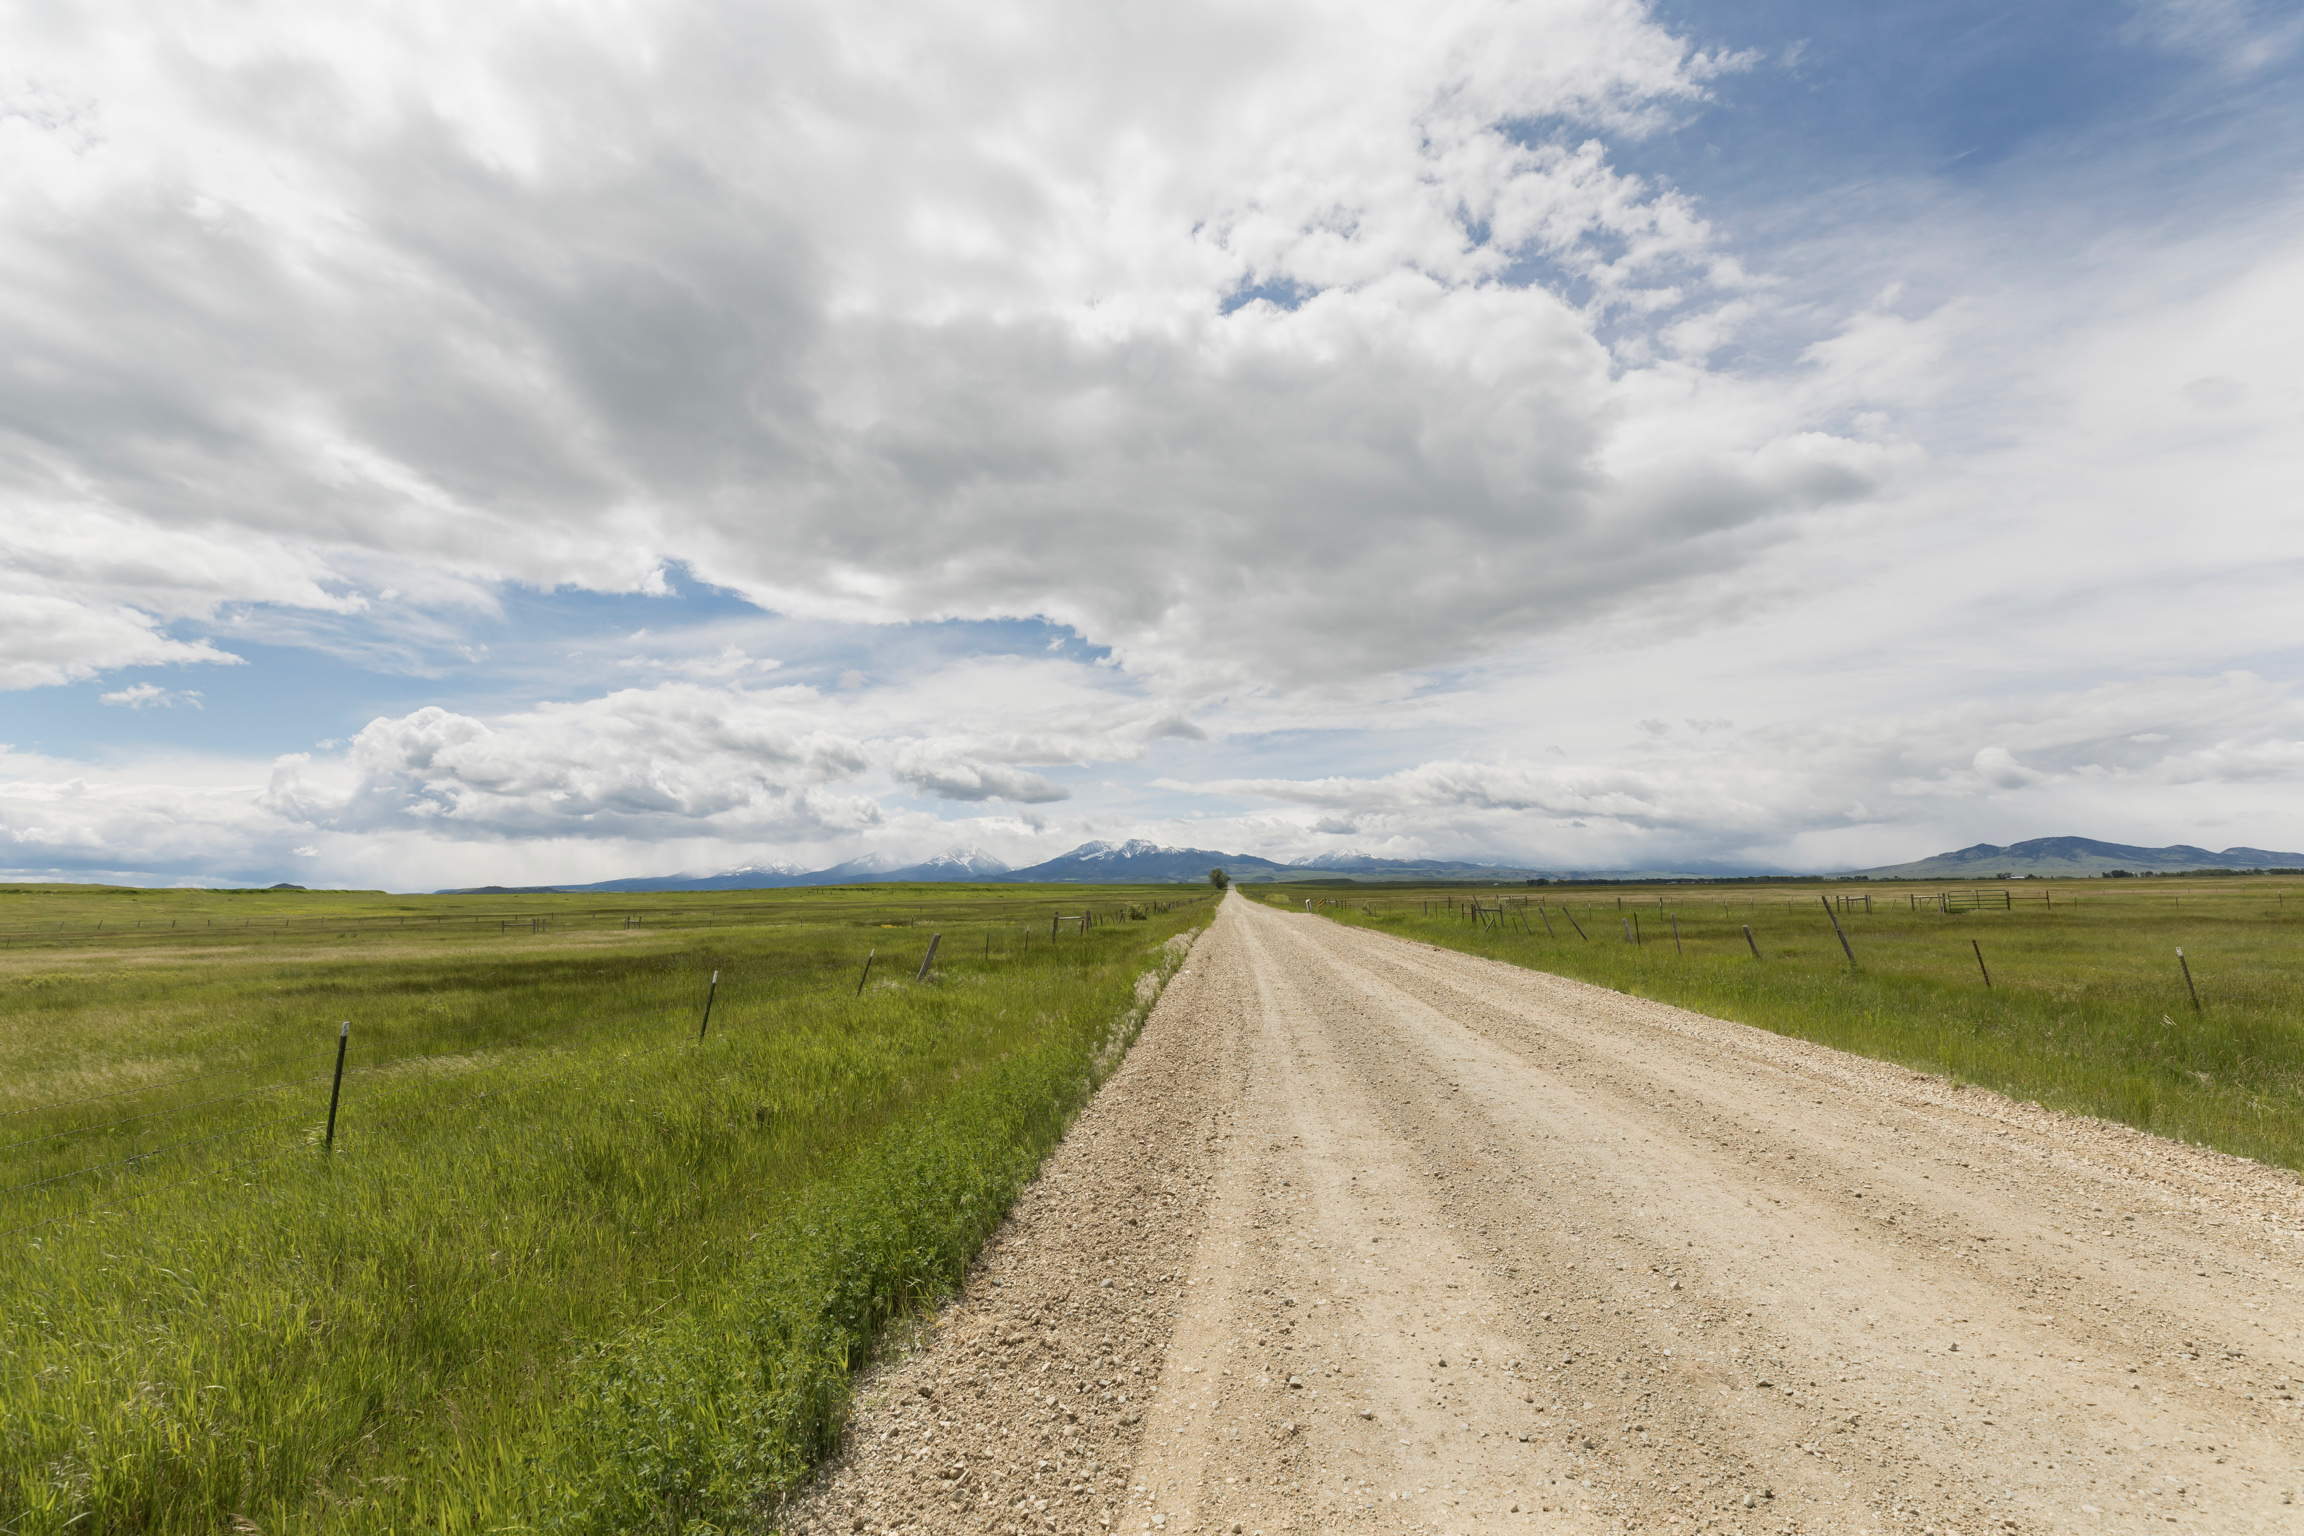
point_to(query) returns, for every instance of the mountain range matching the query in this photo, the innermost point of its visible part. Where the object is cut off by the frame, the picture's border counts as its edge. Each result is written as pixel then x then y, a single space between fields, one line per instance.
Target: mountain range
pixel 2077 857
pixel 1138 862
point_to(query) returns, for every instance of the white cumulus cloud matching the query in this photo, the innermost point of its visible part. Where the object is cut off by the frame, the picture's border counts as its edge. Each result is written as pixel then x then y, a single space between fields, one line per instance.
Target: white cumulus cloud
pixel 880 312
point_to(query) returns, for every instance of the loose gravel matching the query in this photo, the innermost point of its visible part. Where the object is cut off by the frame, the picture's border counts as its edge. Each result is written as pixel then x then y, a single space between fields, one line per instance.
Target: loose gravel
pixel 1367 1235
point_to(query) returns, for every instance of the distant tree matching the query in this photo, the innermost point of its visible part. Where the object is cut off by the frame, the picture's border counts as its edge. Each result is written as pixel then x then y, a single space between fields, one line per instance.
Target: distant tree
pixel 1218 879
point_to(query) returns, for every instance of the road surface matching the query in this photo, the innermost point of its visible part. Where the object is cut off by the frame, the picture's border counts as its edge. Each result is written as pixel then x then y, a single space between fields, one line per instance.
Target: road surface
pixel 1369 1236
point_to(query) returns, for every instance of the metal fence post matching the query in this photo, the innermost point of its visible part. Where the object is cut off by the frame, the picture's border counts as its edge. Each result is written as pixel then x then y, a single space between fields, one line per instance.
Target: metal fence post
pixel 336 1090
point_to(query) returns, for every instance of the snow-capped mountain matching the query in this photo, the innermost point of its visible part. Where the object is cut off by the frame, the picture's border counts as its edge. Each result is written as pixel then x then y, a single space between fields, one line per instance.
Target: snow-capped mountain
pixel 962 861
pixel 870 866
pixel 1138 862
pixel 747 877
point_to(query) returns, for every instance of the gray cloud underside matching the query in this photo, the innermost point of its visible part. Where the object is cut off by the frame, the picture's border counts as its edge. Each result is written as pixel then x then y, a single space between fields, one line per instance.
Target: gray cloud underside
pixel 329 321
pixel 866 318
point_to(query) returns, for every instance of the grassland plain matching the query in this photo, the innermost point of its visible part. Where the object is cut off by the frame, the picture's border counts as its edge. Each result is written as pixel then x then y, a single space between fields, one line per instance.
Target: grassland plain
pixel 2088 1009
pixel 568 1265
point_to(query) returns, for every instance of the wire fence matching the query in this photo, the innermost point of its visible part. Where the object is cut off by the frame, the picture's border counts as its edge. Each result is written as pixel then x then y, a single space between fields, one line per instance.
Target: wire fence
pixel 1643 920
pixel 511 1034
pixel 500 923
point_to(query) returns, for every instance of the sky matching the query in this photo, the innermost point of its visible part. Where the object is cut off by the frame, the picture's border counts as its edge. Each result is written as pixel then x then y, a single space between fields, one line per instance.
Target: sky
pixel 445 445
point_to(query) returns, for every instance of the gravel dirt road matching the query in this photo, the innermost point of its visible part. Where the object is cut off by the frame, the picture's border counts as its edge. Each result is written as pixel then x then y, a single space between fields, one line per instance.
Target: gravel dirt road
pixel 1368 1236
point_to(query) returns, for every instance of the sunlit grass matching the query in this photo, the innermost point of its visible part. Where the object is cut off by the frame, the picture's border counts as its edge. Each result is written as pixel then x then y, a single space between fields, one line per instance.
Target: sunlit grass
pixel 469 1314
pixel 2087 1010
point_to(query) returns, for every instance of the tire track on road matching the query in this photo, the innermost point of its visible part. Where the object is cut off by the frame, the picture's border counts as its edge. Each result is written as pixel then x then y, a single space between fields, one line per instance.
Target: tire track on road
pixel 1415 1241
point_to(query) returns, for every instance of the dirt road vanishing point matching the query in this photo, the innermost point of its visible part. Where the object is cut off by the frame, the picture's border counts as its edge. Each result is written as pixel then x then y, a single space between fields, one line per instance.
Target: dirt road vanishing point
pixel 1368 1236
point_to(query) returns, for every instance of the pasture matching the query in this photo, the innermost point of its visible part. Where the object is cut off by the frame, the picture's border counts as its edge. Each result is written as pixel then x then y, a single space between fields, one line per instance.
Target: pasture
pixel 571 1259
pixel 2087 1008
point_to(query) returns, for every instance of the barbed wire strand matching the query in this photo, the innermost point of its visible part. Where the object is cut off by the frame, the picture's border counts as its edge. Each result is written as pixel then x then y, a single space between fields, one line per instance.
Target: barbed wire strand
pixel 156 1114
pixel 202 1077
pixel 206 1173
pixel 173 1082
pixel 676 1044
pixel 189 1141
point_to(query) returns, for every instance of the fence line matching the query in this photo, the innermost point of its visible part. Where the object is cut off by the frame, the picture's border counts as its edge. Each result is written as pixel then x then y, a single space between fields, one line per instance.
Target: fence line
pixel 417 921
pixel 156 1114
pixel 173 1082
pixel 190 1141
pixel 354 1130
pixel 112 1203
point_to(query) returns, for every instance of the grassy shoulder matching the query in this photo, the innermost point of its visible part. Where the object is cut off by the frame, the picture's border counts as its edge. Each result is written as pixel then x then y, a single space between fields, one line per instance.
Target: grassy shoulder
pixel 567 1265
pixel 2087 1009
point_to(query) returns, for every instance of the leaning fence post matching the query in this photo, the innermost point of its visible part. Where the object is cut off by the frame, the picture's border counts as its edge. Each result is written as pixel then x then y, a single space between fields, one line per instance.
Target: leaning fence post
pixel 2195 991
pixel 710 993
pixel 1755 943
pixel 867 976
pixel 1676 949
pixel 336 1090
pixel 1972 944
pixel 1828 912
pixel 929 958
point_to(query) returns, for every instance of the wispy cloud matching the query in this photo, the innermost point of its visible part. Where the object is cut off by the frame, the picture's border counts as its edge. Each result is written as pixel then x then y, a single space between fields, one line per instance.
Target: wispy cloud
pixel 1212 423
pixel 151 696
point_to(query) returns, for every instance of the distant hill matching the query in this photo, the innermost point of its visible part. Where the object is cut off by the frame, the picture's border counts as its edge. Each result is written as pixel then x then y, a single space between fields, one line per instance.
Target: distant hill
pixel 1136 862
pixel 961 863
pixel 1141 862
pixel 2077 858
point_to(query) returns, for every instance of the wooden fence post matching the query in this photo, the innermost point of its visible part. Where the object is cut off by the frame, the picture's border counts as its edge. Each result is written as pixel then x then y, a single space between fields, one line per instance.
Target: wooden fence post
pixel 1828 912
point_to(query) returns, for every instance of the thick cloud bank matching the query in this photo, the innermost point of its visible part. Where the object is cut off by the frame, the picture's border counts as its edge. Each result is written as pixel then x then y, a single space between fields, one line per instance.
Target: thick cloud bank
pixel 1208 333
pixel 1381 459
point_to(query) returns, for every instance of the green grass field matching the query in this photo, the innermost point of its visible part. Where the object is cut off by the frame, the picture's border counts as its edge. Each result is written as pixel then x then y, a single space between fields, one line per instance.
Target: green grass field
pixel 2087 1010
pixel 566 1266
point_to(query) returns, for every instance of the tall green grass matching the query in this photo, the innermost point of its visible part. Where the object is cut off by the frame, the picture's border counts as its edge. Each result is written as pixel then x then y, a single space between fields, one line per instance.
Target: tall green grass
pixel 567 1267
pixel 2087 1012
